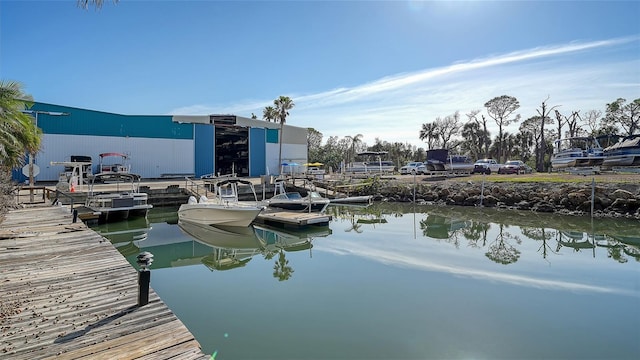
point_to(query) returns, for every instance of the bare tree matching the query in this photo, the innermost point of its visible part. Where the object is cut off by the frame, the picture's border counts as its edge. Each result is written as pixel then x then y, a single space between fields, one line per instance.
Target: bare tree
pixel 574 124
pixel 544 115
pixel 448 127
pixel 560 121
pixel 499 109
pixel 592 119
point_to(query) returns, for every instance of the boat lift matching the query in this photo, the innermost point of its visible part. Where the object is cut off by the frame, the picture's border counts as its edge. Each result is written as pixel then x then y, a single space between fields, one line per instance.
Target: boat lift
pixel 583 170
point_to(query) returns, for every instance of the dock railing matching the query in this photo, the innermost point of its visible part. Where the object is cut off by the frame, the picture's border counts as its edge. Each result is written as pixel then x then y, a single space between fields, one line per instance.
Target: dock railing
pixel 195 188
pixel 56 199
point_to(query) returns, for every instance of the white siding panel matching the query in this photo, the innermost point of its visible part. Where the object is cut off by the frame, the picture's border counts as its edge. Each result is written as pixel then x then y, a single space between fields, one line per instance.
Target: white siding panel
pixel 150 158
pixel 271 156
pixel 290 153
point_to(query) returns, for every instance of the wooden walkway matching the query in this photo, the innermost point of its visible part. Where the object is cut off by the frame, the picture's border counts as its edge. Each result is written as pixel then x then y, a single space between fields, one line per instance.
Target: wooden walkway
pixel 67 293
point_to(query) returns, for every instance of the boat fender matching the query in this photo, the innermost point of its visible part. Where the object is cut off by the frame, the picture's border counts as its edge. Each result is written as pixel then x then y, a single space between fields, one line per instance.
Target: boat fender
pixel 203 199
pixel 192 200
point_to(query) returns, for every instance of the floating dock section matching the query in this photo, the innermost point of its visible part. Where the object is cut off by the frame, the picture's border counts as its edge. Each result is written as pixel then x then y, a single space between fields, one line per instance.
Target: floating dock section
pixel 294 219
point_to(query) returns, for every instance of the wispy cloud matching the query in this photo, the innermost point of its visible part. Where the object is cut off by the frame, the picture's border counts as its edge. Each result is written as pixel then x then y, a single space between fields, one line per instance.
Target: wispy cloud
pixel 577 76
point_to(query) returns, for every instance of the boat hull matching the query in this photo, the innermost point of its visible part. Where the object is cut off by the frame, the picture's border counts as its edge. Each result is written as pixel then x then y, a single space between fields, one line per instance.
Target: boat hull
pixel 624 153
pixel 622 160
pixel 559 162
pixel 109 215
pixel 577 152
pixel 214 214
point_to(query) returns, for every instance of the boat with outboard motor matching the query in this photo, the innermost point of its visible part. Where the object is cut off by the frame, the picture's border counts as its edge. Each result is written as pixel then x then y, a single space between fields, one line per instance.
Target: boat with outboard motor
pixel 224 208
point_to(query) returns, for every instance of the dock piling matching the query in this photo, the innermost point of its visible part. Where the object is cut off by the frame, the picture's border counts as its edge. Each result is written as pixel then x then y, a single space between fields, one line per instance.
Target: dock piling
pixel 144 277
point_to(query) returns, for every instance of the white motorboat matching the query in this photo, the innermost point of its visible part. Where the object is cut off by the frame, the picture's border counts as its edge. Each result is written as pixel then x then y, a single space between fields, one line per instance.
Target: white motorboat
pixel 625 152
pixel 121 204
pixel 224 208
pixel 577 152
pixel 293 200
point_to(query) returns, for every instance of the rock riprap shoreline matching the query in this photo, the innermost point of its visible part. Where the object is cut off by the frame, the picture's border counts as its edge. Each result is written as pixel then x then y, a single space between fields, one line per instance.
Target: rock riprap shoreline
pixel 610 199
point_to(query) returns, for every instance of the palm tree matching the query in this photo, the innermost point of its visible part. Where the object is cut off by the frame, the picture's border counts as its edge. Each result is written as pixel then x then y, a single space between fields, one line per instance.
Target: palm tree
pixel 429 132
pixel 18 132
pixel 269 114
pixel 282 270
pixel 282 106
pixel 355 140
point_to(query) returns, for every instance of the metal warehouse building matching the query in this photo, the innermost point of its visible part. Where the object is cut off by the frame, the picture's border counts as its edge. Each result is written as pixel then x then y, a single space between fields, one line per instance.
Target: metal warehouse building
pixel 160 146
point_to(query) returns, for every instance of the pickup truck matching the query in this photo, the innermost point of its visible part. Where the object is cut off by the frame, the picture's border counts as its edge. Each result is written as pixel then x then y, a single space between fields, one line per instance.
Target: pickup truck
pixel 413 167
pixel 486 166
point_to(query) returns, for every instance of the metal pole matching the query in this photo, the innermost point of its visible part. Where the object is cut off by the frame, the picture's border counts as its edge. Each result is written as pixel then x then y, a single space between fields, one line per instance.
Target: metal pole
pixel 482 189
pixel 414 187
pixel 31 155
pixel 593 194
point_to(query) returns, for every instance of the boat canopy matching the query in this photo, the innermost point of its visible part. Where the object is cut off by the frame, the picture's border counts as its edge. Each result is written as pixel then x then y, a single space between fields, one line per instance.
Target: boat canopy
pixel 119 177
pixel 113 154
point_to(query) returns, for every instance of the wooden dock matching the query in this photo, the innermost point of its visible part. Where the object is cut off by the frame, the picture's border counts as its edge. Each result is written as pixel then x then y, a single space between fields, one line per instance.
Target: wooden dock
pixel 67 293
pixel 292 218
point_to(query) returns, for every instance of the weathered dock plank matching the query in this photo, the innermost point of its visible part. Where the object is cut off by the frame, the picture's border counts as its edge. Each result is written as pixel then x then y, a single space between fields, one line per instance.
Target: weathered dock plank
pixel 67 293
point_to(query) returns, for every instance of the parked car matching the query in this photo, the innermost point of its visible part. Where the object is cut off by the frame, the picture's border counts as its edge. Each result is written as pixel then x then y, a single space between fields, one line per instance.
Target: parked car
pixel 515 167
pixel 412 167
pixel 485 166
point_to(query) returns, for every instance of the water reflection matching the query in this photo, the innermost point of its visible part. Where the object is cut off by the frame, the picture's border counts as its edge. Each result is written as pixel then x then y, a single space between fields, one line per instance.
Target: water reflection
pixel 500 233
pixel 500 236
pixel 533 278
pixel 219 248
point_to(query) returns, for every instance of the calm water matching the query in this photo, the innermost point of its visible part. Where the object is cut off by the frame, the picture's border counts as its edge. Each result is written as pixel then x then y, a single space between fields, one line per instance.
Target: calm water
pixel 395 281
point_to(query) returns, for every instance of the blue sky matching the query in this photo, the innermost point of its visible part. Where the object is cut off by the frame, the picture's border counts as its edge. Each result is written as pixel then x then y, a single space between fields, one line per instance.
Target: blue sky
pixel 376 68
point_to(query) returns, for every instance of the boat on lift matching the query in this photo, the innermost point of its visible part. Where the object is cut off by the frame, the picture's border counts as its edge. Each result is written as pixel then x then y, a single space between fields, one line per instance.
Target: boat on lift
pixel 625 152
pixel 577 152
